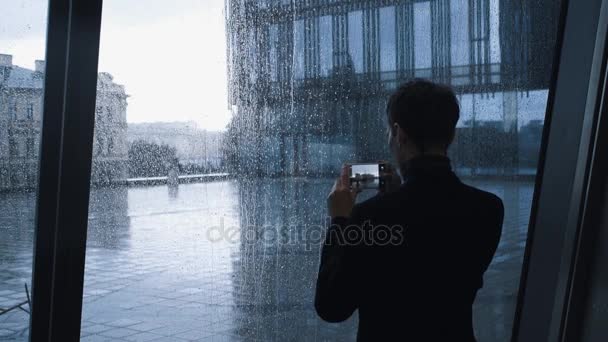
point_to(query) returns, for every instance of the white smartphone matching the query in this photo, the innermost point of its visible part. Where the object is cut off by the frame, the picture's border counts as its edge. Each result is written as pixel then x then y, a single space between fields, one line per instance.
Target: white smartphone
pixel 367 175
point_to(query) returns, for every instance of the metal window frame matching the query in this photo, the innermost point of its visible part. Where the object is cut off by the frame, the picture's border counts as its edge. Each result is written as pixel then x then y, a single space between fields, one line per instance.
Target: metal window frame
pixel 559 201
pixel 65 168
pixel 593 217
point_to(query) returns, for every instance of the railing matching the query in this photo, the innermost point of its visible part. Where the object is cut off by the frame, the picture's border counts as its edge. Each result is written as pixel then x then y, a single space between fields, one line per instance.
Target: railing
pixel 209 177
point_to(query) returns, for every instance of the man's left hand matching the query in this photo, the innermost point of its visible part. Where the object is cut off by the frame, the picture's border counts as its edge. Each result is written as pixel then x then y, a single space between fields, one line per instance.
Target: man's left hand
pixel 341 199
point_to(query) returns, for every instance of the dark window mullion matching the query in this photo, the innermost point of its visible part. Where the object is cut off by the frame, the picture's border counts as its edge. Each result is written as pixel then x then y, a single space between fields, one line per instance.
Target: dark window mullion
pixel 65 167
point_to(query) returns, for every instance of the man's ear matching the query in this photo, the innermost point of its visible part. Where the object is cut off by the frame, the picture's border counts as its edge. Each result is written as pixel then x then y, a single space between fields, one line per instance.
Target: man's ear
pixel 395 130
pixel 399 134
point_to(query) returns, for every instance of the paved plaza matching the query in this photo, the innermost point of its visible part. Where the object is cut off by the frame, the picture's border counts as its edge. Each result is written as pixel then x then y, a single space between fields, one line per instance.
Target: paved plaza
pixel 221 261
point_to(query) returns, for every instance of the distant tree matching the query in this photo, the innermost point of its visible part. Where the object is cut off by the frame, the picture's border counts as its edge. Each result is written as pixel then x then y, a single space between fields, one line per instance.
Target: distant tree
pixel 151 160
pixel 193 169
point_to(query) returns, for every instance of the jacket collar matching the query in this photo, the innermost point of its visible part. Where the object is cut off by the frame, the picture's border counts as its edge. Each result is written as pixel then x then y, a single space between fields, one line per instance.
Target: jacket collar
pixel 432 167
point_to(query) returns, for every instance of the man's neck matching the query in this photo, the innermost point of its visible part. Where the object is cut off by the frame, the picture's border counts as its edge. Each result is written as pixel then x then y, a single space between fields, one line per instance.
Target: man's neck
pixel 403 164
pixel 427 153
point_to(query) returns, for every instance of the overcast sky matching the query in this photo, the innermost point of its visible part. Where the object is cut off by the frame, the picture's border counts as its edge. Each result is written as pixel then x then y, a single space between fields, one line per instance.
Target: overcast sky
pixel 170 55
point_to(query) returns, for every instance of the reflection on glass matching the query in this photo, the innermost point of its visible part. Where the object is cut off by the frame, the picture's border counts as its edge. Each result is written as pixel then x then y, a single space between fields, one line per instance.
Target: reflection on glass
pixel 298 49
pixel 422 36
pixel 355 39
pixel 459 32
pixel 325 45
pixel 273 51
pixel 387 39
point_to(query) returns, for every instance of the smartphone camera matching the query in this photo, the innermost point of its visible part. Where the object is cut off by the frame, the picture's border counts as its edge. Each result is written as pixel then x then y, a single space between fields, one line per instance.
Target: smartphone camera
pixel 367 176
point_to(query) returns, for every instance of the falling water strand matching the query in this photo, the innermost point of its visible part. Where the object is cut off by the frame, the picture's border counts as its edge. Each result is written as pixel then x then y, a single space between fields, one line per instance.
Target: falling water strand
pixel 293 54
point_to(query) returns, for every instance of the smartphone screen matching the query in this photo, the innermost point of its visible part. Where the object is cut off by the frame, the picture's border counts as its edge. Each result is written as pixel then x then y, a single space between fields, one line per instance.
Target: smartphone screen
pixel 366 176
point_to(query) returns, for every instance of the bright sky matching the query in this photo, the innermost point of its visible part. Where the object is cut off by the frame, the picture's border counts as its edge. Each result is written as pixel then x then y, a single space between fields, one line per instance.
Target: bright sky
pixel 169 55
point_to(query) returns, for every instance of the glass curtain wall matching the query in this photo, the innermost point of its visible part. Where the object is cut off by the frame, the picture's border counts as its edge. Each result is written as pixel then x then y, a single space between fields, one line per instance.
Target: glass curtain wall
pixel 220 126
pixel 497 56
pixel 22 50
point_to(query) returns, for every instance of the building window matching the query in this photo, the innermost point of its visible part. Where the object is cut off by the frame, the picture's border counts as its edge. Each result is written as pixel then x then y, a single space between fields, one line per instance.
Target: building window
pixel 4 177
pixel 273 33
pixel 459 32
pixel 99 149
pixel 422 36
pixel 30 111
pixel 388 39
pixel 99 114
pixel 325 45
pixel 13 148
pixel 29 146
pixel 13 110
pixel 355 40
pixel 298 49
pixel 110 144
pixel 108 113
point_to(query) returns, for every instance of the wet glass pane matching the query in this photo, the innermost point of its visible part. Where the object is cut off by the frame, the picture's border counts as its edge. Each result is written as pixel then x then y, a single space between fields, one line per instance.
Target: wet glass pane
pixel 422 35
pixel 22 49
pixel 459 32
pixel 355 40
pixel 387 39
pixel 325 44
pixel 220 127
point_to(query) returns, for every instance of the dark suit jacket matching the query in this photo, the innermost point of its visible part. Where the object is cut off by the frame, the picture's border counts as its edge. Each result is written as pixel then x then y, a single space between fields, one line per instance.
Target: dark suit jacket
pixel 420 286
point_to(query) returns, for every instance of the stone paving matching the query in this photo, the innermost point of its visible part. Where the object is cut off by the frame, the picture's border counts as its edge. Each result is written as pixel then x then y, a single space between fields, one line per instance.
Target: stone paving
pixel 178 264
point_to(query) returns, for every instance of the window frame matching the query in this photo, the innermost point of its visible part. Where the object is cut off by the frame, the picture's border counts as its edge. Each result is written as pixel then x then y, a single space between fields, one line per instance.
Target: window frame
pixel 66 148
pixel 72 53
pixel 545 301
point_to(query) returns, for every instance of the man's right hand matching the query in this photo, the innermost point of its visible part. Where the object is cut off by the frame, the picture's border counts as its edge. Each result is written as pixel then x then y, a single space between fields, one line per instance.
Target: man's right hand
pixel 392 180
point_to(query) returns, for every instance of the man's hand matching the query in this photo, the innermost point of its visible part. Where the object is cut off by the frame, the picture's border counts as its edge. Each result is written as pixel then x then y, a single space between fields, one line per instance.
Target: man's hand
pixel 392 180
pixel 341 199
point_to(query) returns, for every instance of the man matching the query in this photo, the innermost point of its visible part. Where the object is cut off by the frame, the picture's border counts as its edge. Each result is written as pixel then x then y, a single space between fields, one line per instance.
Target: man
pixel 410 260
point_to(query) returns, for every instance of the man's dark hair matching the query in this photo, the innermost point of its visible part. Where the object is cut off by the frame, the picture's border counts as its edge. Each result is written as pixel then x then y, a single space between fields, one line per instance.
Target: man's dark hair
pixel 426 111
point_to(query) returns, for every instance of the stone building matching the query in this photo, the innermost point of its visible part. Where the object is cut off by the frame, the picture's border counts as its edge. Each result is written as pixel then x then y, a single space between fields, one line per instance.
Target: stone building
pixel 110 150
pixel 21 98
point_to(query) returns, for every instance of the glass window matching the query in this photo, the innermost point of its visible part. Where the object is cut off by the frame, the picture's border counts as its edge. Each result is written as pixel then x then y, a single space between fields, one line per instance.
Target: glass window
pixel 30 111
pixel 14 109
pixel 13 147
pixel 29 144
pixel 98 145
pixel 273 40
pixel 154 269
pixel 209 182
pixel 422 36
pixel 494 31
pixel 355 39
pixel 459 29
pixel 22 42
pixel 325 44
pixel 388 39
pixel 110 144
pixel 109 113
pixel 298 49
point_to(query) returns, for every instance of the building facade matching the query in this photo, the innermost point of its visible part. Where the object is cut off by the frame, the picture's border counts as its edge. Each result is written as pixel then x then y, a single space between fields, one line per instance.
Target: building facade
pixel 308 80
pixel 21 99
